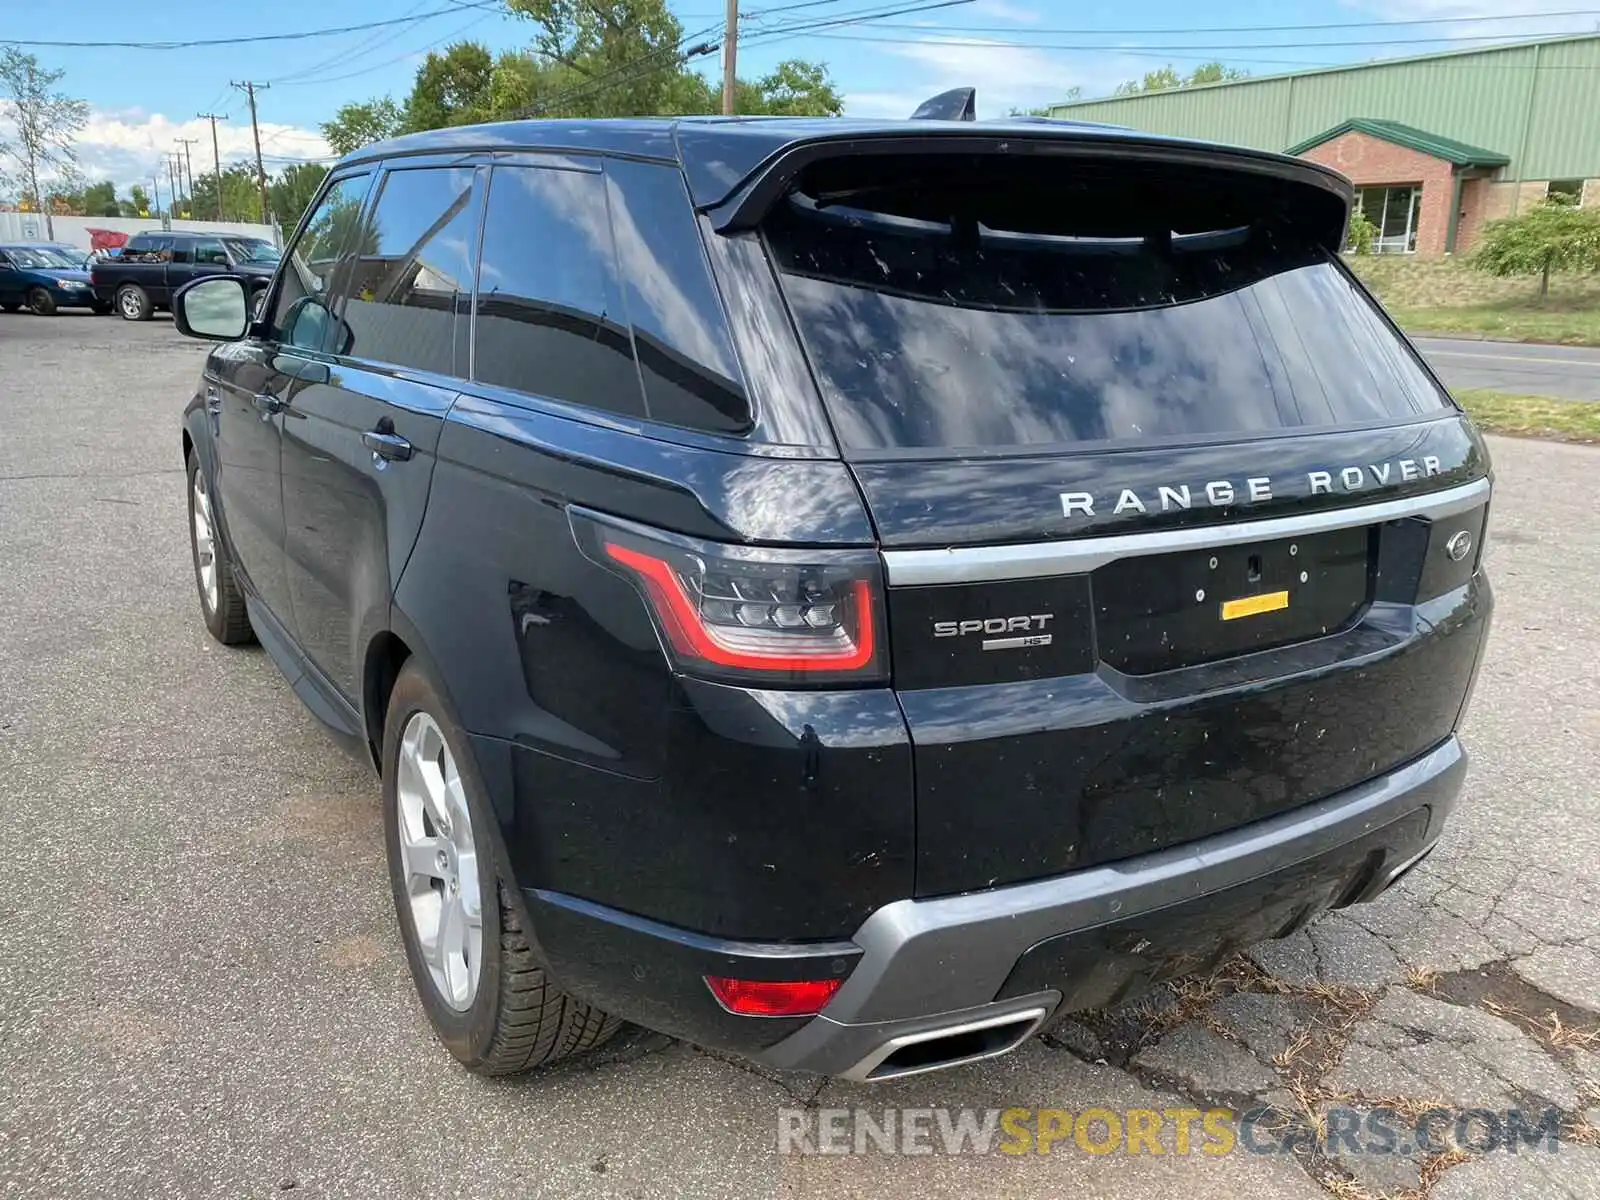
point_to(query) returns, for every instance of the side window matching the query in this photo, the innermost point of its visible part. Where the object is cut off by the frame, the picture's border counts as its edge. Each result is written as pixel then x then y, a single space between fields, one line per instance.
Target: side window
pixel 413 269
pixel 209 250
pixel 160 251
pixel 182 251
pixel 300 315
pixel 549 315
pixel 679 329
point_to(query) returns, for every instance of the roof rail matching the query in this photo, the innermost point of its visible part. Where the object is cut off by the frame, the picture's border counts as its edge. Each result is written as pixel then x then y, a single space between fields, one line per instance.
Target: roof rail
pixel 958 104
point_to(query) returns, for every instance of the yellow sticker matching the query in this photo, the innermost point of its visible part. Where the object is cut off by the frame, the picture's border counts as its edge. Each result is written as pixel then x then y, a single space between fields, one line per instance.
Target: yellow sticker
pixel 1252 606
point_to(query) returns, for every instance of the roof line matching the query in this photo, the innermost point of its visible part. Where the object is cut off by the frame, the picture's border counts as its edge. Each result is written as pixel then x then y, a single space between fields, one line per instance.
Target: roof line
pixel 1397 133
pixel 1357 66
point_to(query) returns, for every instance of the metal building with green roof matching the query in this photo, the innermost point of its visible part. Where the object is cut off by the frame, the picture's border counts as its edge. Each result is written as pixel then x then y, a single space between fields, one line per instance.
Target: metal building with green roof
pixel 1436 145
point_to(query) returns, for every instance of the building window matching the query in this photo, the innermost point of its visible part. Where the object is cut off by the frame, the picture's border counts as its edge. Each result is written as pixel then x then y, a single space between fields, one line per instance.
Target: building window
pixel 1568 192
pixel 1393 210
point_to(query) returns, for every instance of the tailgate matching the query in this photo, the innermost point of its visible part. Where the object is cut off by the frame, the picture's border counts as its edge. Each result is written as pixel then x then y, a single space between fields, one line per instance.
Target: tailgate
pixel 1163 497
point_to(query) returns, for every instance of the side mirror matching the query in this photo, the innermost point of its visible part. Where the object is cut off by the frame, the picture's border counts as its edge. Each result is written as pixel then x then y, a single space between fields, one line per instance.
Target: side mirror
pixel 215 308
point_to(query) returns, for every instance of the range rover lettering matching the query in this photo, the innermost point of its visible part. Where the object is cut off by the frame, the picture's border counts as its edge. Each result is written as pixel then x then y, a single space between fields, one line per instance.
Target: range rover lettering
pixel 843 592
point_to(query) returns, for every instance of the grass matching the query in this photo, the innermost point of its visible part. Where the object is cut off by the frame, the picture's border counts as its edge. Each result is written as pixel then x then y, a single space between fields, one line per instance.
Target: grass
pixel 1534 416
pixel 1442 295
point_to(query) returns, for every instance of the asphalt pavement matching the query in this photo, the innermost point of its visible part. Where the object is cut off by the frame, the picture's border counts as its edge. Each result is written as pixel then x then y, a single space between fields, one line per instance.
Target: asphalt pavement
pixel 202 992
pixel 1561 372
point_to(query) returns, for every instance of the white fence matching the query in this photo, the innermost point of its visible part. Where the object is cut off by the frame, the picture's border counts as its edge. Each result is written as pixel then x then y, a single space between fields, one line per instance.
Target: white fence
pixel 30 227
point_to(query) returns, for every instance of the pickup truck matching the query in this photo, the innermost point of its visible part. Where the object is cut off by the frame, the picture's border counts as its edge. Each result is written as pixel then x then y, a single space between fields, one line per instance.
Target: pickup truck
pixel 152 266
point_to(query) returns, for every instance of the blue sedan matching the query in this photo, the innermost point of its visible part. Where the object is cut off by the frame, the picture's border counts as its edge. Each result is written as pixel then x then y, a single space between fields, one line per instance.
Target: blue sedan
pixel 44 278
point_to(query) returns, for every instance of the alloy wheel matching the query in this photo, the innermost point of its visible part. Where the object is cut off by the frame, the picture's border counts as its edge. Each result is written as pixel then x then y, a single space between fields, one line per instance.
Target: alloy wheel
pixel 128 302
pixel 205 542
pixel 440 861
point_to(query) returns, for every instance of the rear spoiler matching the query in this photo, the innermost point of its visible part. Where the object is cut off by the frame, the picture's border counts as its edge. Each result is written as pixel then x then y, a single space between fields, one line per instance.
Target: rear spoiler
pixel 1318 197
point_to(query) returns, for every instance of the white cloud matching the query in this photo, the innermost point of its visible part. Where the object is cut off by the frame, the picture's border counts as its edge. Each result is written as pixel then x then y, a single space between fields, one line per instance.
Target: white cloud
pixel 1006 77
pixel 128 146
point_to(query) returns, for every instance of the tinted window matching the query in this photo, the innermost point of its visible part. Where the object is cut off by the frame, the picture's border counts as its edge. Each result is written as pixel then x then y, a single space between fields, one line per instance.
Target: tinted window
pixel 208 250
pixel 959 333
pixel 679 331
pixel 415 265
pixel 307 284
pixel 549 311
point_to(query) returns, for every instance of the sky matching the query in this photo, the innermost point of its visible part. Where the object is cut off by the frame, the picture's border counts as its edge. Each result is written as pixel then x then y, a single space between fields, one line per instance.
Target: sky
pixel 1017 53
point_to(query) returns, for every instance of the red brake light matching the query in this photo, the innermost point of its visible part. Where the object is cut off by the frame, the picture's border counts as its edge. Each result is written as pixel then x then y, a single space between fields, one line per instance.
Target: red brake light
pixel 773 998
pixel 804 616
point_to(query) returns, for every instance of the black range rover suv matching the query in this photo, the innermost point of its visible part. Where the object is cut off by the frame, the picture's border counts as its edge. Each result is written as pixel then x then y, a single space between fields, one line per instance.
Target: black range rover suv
pixel 843 592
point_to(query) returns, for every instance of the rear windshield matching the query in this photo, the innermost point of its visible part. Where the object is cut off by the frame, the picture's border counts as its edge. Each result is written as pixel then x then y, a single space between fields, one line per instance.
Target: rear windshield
pixel 1028 317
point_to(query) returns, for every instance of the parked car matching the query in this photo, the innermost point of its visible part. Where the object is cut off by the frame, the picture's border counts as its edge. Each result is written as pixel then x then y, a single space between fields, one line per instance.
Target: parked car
pixel 843 592
pixel 141 279
pixel 43 278
pixel 76 255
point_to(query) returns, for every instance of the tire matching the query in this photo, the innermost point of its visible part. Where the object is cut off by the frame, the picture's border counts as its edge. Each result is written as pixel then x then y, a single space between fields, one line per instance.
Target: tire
pixel 42 302
pixel 258 301
pixel 11 306
pixel 221 600
pixel 133 303
pixel 511 1017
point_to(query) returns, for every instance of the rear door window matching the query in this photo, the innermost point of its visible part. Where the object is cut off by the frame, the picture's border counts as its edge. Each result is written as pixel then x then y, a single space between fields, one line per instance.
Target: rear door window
pixel 939 314
pixel 549 318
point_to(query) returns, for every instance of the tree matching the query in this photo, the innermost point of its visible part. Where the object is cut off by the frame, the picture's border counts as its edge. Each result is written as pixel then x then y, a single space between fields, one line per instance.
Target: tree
pixel 1044 110
pixel 451 88
pixel 1550 237
pixel 1363 233
pixel 586 58
pixel 45 122
pixel 292 191
pixel 138 201
pixel 794 88
pixel 1166 79
pixel 358 125
pixel 239 192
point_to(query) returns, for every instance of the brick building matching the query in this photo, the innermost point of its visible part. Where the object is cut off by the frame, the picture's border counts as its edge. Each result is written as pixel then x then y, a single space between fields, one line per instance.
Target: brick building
pixel 1436 145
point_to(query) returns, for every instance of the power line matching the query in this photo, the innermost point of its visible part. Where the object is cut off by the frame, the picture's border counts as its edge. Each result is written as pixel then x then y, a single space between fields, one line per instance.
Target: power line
pixel 1030 29
pixel 295 81
pixel 1209 47
pixel 260 37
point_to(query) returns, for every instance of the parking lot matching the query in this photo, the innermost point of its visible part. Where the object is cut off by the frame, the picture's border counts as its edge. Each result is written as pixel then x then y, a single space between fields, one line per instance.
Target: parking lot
pixel 202 992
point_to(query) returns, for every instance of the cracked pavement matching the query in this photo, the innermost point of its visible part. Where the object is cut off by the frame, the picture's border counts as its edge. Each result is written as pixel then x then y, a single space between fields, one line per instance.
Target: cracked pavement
pixel 204 994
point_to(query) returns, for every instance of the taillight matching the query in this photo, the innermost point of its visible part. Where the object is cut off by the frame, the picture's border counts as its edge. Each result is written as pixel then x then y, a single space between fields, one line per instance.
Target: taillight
pixel 773 998
pixel 797 616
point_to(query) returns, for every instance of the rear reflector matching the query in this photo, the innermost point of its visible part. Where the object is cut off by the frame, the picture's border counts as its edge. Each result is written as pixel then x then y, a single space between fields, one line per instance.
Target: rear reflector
pixel 773 998
pixel 1252 606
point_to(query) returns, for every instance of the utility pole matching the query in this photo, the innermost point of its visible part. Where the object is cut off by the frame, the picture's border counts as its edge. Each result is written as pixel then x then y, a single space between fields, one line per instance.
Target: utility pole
pixel 730 57
pixel 216 158
pixel 250 89
pixel 172 187
pixel 155 193
pixel 188 167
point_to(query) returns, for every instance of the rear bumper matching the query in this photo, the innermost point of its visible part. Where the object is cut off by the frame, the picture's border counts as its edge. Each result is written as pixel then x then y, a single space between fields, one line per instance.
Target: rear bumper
pixel 980 972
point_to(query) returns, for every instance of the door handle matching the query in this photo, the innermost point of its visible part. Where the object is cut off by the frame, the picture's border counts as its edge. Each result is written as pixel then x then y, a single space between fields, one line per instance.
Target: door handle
pixel 268 405
pixel 386 444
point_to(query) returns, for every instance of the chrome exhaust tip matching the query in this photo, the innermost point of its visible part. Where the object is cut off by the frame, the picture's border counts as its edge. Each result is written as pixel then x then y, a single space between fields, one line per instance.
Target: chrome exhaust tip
pixel 948 1046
